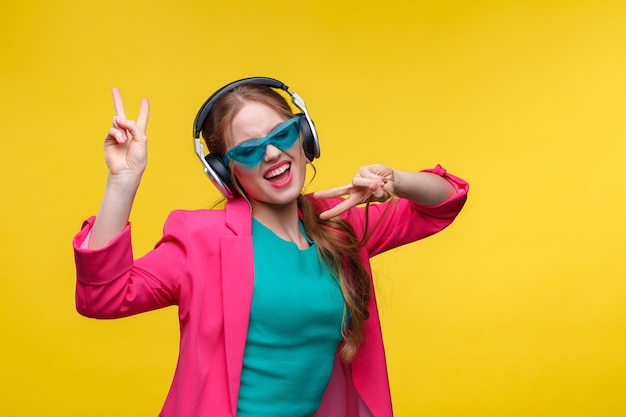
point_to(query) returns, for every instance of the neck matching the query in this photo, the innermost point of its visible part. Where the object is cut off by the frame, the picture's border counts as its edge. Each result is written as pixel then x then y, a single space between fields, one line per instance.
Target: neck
pixel 282 220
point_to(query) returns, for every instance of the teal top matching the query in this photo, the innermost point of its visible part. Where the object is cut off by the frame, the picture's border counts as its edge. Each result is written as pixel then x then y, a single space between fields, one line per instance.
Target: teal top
pixel 294 331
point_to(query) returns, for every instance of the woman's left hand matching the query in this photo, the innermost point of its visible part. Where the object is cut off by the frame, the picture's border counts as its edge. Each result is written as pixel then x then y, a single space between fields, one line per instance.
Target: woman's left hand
pixel 371 183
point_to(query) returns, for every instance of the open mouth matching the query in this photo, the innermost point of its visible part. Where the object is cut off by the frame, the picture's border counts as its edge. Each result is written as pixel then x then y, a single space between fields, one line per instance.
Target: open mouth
pixel 278 174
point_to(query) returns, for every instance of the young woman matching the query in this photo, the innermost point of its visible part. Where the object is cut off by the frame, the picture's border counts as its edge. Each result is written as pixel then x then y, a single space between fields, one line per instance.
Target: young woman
pixel 274 292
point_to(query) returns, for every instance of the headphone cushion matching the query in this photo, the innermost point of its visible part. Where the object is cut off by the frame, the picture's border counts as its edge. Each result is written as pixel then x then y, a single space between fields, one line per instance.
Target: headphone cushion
pixel 220 169
pixel 308 140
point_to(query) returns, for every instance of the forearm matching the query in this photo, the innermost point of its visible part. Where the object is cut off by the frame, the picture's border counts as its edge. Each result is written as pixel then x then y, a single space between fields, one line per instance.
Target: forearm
pixel 114 211
pixel 422 188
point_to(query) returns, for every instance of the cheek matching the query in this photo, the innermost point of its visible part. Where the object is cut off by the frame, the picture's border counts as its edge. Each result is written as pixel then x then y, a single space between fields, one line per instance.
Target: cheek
pixel 296 152
pixel 301 158
pixel 248 180
pixel 241 174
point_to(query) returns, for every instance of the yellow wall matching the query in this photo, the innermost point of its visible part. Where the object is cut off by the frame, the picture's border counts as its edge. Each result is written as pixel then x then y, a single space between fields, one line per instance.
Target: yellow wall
pixel 517 310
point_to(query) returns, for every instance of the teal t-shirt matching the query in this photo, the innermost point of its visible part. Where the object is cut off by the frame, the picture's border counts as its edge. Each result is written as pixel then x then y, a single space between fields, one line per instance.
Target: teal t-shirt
pixel 294 331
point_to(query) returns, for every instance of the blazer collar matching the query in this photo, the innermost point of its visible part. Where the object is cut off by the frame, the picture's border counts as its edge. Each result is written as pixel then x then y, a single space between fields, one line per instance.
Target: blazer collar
pixel 239 217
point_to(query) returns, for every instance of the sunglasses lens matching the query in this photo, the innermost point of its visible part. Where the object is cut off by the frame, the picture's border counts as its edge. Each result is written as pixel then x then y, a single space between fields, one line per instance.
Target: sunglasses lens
pixel 251 152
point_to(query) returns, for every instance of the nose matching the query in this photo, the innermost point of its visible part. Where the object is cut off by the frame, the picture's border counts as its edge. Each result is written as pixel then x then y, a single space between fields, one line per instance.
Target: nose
pixel 271 153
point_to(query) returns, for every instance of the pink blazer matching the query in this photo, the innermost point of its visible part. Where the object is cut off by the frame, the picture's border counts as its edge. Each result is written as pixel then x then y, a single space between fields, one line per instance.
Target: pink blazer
pixel 204 265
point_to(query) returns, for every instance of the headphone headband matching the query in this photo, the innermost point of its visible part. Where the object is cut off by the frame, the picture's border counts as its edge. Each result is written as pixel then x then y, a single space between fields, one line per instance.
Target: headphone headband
pixel 208 105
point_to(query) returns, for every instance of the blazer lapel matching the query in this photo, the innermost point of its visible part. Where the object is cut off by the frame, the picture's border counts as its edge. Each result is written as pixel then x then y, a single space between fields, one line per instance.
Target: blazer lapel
pixel 237 288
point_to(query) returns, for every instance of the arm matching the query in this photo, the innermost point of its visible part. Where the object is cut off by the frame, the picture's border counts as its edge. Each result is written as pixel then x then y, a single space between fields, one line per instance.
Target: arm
pixel 422 188
pixel 111 282
pixel 125 149
pixel 430 201
pixel 379 182
pixel 184 268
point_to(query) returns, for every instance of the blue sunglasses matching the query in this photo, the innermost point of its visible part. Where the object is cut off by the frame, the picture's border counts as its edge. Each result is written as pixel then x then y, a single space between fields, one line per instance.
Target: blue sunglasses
pixel 251 152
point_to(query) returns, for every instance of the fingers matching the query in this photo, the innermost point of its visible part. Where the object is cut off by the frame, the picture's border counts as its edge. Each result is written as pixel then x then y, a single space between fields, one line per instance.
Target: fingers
pixel 367 185
pixel 120 112
pixel 117 135
pixel 129 128
pixel 340 208
pixel 374 183
pixel 123 128
pixel 344 205
pixel 118 104
pixel 333 192
pixel 376 173
pixel 144 112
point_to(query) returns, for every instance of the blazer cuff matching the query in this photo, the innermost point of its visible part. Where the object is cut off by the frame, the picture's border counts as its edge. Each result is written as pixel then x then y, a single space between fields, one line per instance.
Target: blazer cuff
pixel 453 205
pixel 102 265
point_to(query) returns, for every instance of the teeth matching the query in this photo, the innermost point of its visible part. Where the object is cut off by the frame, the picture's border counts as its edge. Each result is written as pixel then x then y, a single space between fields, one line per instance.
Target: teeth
pixel 277 171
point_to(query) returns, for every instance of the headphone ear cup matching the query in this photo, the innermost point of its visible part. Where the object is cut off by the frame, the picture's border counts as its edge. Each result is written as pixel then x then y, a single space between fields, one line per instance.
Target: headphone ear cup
pixel 309 140
pixel 220 175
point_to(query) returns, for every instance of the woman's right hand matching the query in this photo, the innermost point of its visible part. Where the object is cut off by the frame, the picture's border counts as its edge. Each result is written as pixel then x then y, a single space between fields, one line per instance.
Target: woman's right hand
pixel 125 145
pixel 125 151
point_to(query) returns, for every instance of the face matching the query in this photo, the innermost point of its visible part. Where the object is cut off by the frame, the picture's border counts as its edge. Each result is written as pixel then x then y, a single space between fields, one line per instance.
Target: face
pixel 278 178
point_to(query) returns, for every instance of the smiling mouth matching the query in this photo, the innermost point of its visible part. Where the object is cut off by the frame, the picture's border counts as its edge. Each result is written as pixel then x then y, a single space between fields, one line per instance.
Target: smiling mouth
pixel 273 174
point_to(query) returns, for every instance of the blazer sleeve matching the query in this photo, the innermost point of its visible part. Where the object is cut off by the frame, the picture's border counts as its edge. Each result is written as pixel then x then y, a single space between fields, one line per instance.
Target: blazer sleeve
pixel 400 221
pixel 110 283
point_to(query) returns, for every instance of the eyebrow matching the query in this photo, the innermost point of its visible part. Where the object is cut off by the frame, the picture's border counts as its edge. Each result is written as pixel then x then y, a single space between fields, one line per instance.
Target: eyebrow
pixel 270 132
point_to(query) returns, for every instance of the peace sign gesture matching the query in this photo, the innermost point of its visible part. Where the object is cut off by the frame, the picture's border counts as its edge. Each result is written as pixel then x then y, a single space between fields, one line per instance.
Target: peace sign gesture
pixel 125 152
pixel 125 147
pixel 371 183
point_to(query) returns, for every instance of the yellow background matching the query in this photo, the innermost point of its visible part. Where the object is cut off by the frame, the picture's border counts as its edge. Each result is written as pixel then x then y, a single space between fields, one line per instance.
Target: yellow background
pixel 517 310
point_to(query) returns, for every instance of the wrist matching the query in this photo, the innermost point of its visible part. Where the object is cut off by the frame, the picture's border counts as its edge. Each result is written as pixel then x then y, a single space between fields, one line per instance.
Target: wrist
pixel 124 181
pixel 397 178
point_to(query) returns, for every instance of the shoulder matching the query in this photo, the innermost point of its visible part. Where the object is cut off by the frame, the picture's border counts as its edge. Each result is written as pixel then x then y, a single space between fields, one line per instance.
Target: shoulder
pixel 195 218
pixel 235 219
pixel 195 221
pixel 193 225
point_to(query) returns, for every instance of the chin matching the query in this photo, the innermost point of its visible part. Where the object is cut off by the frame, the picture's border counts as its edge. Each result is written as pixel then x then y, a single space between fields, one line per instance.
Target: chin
pixel 276 197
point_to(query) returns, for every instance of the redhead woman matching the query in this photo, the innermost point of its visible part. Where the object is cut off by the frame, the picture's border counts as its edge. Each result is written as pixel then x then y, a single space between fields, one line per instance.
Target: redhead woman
pixel 274 291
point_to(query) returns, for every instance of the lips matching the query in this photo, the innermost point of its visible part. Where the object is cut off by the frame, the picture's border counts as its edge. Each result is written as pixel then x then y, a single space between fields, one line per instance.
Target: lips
pixel 275 172
pixel 279 175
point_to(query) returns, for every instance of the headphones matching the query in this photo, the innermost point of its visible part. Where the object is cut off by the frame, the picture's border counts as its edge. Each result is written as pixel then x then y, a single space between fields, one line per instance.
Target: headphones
pixel 214 166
